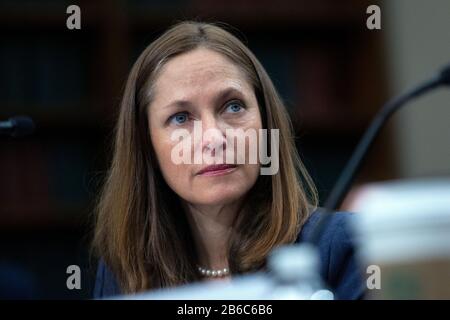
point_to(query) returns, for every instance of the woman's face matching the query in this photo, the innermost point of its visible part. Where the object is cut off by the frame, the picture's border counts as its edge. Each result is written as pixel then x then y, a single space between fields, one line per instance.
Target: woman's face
pixel 202 89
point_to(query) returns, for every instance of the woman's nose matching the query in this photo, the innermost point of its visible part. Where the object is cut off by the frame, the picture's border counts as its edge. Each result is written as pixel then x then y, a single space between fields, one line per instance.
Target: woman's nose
pixel 213 135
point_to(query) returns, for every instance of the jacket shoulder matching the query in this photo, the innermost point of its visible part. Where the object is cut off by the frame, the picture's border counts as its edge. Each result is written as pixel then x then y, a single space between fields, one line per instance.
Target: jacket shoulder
pixel 105 282
pixel 340 267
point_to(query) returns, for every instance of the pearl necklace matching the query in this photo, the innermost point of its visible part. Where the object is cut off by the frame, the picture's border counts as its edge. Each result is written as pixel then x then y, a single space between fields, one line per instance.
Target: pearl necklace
pixel 213 273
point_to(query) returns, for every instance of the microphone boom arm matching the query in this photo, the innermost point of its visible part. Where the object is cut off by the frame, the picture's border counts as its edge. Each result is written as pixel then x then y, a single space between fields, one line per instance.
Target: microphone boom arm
pixel 352 167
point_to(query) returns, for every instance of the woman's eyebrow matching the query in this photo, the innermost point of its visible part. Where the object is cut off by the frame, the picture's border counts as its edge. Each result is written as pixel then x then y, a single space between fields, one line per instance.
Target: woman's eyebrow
pixel 179 104
pixel 221 96
pixel 227 94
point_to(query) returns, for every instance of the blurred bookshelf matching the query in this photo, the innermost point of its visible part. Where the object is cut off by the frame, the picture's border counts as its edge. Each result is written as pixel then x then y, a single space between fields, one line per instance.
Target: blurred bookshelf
pixel 327 66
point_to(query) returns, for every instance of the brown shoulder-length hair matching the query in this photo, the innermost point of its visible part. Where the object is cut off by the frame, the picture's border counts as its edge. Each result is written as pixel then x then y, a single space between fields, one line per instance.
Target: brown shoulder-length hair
pixel 141 231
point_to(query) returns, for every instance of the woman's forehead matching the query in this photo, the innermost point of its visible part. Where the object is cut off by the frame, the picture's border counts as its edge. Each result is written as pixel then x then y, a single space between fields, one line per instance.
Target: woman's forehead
pixel 199 67
pixel 198 71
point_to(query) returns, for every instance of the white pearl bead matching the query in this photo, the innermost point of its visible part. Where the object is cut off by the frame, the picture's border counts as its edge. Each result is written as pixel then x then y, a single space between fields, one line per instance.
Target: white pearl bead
pixel 213 273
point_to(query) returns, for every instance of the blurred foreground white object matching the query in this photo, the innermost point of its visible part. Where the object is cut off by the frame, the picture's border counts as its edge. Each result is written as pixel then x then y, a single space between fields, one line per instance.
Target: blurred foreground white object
pixel 403 228
pixel 294 275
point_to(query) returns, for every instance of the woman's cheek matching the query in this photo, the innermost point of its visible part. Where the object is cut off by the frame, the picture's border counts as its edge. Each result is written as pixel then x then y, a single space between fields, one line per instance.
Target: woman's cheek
pixel 171 168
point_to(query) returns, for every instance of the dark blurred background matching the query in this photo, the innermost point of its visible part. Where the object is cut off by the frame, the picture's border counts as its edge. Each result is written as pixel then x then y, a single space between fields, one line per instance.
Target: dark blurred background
pixel 332 72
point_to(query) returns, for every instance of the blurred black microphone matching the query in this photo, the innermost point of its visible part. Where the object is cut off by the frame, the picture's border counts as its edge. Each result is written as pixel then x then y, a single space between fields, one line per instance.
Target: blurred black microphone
pixel 348 175
pixel 17 126
pixel 445 75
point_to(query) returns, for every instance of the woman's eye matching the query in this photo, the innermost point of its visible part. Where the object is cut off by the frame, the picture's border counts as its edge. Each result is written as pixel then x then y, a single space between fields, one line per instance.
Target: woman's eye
pixel 234 107
pixel 179 118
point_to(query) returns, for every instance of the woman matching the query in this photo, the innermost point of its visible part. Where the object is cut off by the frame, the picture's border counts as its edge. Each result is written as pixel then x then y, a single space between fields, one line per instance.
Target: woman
pixel 163 222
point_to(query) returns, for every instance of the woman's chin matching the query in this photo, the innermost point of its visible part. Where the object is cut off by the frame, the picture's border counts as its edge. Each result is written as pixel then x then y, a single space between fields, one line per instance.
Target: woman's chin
pixel 218 197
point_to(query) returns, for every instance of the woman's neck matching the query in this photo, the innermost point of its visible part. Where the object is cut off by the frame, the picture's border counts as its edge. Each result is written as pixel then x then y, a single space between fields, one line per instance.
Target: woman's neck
pixel 211 228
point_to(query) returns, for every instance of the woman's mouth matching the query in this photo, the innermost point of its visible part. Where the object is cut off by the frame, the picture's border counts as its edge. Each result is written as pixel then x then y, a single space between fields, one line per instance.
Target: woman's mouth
pixel 217 170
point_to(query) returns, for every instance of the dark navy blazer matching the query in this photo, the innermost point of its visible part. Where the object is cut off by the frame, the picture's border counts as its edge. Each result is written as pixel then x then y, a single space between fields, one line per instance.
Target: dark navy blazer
pixel 339 266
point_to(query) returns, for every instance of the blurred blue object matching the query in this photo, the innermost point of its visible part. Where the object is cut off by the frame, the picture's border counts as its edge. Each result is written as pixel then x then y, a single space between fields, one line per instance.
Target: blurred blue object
pixel 16 282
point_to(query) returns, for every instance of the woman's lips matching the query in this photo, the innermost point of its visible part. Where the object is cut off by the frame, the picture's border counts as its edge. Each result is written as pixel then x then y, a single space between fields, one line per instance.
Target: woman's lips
pixel 217 169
